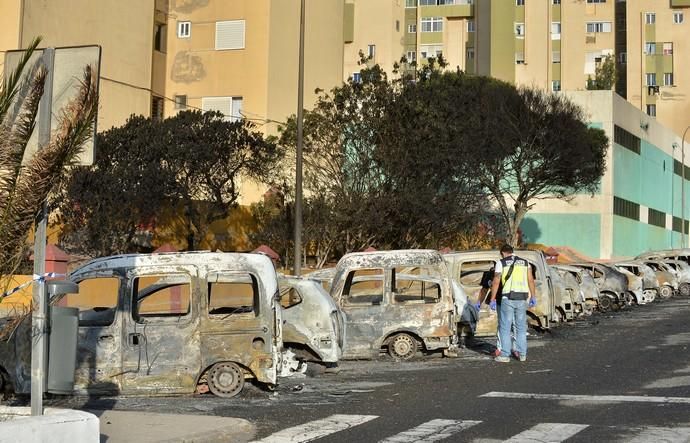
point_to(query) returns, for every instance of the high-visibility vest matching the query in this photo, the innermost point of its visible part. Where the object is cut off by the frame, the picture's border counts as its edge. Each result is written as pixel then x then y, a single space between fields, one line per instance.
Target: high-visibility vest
pixel 515 286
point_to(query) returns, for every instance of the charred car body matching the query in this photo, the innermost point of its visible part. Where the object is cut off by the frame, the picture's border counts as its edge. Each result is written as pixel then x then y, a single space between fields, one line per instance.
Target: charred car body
pixel 611 283
pixel 650 284
pixel 668 282
pixel 313 326
pixel 589 292
pixel 399 301
pixel 166 323
pixel 467 269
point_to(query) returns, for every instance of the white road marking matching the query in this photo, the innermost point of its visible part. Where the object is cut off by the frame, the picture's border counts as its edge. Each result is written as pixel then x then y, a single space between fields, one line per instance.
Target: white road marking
pixel 316 429
pixel 547 433
pixel 431 431
pixel 590 398
pixel 665 435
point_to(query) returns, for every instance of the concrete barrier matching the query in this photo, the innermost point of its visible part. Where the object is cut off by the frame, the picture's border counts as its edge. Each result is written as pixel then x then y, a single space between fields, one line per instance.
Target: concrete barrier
pixel 56 426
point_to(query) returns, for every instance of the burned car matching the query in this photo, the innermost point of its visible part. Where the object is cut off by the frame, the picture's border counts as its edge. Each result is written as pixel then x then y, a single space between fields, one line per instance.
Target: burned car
pixel 650 284
pixel 171 323
pixel 682 271
pixel 668 282
pixel 572 287
pixel 612 284
pixel 467 268
pixel 396 301
pixel 588 289
pixel 313 326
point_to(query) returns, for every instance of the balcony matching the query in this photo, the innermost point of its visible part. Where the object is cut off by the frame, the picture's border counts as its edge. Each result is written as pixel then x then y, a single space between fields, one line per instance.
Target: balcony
pixel 449 8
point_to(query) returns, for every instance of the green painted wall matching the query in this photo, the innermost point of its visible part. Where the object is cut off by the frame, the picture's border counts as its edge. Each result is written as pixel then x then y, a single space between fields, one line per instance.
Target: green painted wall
pixel 579 231
pixel 630 238
pixel 644 178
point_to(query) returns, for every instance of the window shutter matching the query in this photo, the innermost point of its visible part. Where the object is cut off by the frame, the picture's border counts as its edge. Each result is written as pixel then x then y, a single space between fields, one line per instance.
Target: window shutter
pixel 230 34
pixel 222 104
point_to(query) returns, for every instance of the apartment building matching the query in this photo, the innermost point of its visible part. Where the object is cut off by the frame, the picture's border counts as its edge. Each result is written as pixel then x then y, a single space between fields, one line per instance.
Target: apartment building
pixel 553 44
pixel 162 56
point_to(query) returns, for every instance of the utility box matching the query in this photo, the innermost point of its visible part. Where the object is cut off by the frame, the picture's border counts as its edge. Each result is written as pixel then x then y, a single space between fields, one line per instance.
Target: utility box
pixel 62 343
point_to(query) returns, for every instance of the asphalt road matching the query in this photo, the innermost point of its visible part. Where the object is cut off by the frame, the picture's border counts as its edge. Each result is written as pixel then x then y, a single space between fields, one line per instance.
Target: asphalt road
pixel 622 376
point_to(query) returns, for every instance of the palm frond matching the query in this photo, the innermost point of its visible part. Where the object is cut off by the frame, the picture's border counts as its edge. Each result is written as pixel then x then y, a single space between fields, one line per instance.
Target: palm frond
pixel 10 84
pixel 45 169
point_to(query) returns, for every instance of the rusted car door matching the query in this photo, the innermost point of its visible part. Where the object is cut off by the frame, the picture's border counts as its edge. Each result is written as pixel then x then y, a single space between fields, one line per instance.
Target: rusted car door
pixel 161 339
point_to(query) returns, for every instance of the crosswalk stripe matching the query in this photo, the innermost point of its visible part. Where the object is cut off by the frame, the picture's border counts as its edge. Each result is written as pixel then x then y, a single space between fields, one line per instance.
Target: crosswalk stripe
pixel 665 435
pixel 547 433
pixel 590 398
pixel 430 431
pixel 317 428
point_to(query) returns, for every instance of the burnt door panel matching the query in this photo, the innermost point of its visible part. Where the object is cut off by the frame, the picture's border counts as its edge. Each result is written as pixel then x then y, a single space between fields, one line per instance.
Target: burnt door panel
pixel 161 351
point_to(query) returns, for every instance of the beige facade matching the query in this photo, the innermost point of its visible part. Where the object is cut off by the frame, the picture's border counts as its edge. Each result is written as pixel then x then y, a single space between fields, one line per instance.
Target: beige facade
pixel 124 33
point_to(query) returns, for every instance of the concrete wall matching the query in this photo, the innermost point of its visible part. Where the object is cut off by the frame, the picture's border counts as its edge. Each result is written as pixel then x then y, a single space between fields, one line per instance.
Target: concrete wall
pixel 56 426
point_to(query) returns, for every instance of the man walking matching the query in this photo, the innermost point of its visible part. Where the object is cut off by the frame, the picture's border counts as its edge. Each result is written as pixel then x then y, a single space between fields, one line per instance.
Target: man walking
pixel 514 281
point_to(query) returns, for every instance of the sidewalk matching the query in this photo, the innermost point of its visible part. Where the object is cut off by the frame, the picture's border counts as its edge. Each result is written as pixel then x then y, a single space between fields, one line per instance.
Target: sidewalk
pixel 145 427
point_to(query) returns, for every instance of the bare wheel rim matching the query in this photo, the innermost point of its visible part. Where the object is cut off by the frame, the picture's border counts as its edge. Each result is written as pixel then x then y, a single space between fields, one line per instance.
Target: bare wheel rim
pixel 402 347
pixel 684 289
pixel 665 291
pixel 226 379
pixel 604 303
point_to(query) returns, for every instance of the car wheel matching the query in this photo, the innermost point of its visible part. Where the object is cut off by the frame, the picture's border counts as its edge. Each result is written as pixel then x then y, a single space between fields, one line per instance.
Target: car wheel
pixel 226 379
pixel 402 347
pixel 665 292
pixel 604 303
pixel 684 289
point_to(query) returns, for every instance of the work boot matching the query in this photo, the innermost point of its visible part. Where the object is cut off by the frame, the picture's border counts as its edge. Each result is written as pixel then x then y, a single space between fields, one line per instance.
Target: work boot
pixel 502 359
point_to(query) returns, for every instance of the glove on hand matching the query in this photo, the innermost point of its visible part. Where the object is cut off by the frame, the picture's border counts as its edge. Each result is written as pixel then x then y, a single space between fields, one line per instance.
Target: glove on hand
pixel 532 302
pixel 478 305
pixel 492 305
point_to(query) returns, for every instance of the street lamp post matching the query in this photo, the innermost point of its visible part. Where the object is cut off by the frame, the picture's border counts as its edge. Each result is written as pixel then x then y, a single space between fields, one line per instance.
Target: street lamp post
pixel 682 190
pixel 298 162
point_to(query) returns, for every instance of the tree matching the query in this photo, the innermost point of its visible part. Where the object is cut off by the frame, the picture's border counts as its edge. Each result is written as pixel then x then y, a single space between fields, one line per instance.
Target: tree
pixel 537 145
pixel 604 75
pixel 26 181
pixel 181 173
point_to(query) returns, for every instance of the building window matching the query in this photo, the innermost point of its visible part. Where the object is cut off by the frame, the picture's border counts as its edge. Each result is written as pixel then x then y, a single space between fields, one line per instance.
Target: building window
pixel 411 56
pixel 626 139
pixel 678 18
pixel 650 48
pixel 432 24
pixel 410 3
pixel 623 58
pixel 677 223
pixel 519 2
pixel 519 58
pixel 598 27
pixel 651 110
pixel 159 37
pixel 650 18
pixel 356 77
pixel 556 56
pixel 556 85
pixel 157 105
pixel 230 107
pixel 596 1
pixel 181 102
pixel 371 51
pixel 470 25
pixel 520 30
pixel 470 52
pixel 651 78
pixel 428 51
pixel 397 26
pixel 230 34
pixel 556 2
pixel 656 218
pixel 668 78
pixel 626 208
pixel 184 29
pixel 412 29
pixel 668 48
pixel 556 30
